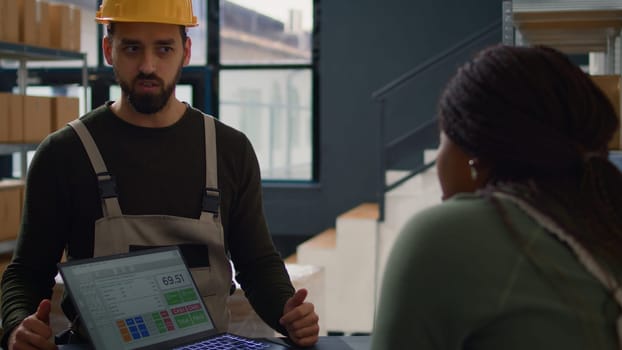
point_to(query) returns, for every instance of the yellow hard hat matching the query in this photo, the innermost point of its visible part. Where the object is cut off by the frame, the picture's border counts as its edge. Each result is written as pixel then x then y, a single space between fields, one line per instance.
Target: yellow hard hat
pixel 152 11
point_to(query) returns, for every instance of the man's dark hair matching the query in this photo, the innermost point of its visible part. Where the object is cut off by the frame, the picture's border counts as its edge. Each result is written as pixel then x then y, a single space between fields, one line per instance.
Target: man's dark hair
pixel 182 31
pixel 542 126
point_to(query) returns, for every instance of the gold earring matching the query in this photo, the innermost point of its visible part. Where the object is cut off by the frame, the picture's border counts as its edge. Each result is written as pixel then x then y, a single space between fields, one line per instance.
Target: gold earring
pixel 472 163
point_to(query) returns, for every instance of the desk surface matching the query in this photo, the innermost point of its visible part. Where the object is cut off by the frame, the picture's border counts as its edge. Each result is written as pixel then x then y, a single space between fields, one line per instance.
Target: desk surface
pixel 325 343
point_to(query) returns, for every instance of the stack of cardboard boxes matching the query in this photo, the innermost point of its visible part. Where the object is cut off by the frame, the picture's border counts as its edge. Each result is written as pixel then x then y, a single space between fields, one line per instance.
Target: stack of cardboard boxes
pixel 11 194
pixel 41 23
pixel 27 119
pixel 610 85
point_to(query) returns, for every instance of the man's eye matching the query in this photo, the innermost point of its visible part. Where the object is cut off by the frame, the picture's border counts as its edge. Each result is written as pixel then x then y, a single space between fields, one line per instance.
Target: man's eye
pixel 165 49
pixel 130 49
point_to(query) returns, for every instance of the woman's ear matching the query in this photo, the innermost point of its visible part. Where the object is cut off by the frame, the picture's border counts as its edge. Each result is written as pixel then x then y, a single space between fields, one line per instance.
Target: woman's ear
pixel 480 172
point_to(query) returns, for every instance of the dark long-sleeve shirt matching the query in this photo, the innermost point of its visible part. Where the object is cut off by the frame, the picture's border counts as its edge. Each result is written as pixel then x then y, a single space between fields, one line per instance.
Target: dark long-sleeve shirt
pixel 157 171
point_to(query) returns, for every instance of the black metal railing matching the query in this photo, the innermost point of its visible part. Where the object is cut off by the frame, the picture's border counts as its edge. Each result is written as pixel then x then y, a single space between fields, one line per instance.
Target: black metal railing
pixel 425 136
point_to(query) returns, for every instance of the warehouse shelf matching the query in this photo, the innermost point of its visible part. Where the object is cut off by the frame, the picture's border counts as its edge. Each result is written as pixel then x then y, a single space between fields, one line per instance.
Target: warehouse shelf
pixel 8 148
pixel 571 26
pixel 35 53
pixel 23 54
pixel 7 247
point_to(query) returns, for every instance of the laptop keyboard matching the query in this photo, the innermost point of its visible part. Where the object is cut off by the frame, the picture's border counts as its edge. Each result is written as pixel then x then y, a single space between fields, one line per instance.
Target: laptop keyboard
pixel 226 342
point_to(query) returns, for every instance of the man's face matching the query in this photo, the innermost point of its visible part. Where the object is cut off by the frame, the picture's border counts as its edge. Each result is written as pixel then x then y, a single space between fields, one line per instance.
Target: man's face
pixel 147 59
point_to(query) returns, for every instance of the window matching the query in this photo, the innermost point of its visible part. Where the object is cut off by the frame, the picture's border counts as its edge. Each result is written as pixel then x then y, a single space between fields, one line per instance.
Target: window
pixel 266 81
pixel 199 34
pixel 267 106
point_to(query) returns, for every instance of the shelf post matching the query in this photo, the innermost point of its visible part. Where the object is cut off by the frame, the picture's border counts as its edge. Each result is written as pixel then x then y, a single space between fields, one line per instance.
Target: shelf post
pixel 610 56
pixel 85 83
pixel 22 77
pixel 508 24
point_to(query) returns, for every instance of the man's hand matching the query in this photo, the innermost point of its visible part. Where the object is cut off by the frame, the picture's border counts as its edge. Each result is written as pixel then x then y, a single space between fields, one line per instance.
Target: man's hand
pixel 300 320
pixel 34 332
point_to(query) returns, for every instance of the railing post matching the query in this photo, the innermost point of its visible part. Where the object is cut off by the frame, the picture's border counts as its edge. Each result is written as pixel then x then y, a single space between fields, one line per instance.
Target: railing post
pixel 381 161
pixel 380 194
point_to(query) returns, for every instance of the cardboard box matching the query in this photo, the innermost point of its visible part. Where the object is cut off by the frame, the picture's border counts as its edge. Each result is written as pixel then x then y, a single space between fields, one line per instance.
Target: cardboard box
pixel 60 21
pixel 64 110
pixel 65 21
pixel 10 21
pixel 43 23
pixel 610 85
pixel 2 10
pixel 28 30
pixel 4 117
pixel 10 208
pixel 76 24
pixel 15 111
pixel 37 118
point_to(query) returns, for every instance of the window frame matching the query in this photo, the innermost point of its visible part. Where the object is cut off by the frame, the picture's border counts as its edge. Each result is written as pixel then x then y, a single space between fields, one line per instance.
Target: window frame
pixel 214 62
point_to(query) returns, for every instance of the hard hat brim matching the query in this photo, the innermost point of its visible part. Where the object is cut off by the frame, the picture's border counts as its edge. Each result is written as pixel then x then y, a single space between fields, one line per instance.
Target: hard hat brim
pixel 108 20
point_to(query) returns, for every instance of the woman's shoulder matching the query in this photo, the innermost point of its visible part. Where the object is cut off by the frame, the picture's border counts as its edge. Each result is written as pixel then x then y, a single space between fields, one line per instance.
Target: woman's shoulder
pixel 463 212
pixel 467 227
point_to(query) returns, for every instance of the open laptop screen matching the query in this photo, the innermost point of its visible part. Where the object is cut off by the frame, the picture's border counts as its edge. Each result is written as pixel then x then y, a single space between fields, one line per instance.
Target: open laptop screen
pixel 137 299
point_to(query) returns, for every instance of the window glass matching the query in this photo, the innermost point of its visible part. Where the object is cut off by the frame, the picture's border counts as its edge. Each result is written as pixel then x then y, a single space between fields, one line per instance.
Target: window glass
pixel 199 34
pixel 267 31
pixel 273 108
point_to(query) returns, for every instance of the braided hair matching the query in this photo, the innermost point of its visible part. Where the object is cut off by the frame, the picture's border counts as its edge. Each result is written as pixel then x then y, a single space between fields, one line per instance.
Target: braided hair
pixel 543 127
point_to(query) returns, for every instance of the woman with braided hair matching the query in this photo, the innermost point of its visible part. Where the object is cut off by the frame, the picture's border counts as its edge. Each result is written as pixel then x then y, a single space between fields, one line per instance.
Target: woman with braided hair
pixel 525 252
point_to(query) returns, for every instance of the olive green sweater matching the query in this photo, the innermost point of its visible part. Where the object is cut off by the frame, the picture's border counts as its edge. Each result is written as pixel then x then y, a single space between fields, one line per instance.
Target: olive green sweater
pixel 158 171
pixel 458 278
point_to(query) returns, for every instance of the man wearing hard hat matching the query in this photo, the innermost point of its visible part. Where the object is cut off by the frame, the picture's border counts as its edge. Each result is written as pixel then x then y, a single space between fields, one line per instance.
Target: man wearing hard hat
pixel 148 170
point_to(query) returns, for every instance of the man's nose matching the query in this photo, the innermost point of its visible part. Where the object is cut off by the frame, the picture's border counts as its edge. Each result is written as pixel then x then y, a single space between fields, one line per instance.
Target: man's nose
pixel 148 63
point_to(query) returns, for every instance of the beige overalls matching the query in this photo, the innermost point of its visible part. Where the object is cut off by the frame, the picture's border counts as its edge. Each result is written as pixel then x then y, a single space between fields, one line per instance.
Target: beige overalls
pixel 116 233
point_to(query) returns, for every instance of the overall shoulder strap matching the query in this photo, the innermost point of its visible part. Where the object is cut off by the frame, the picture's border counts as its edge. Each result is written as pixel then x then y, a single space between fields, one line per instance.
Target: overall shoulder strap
pixel 107 184
pixel 211 197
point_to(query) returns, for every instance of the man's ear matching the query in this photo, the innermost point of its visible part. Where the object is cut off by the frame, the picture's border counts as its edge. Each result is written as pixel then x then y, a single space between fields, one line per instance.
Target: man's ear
pixel 107 48
pixel 187 51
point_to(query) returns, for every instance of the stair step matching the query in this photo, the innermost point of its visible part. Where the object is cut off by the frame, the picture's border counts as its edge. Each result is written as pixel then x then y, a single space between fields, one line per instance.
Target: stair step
pixel 292 259
pixel 363 211
pixel 324 240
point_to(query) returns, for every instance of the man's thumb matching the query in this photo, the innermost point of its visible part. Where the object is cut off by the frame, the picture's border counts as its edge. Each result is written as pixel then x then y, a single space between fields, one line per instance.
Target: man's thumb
pixel 297 299
pixel 43 311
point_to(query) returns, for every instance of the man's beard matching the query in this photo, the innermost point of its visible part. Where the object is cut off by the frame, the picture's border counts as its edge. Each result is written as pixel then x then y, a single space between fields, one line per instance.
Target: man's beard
pixel 148 103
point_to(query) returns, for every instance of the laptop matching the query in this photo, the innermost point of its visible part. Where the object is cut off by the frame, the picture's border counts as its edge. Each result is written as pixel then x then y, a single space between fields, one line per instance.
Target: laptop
pixel 145 299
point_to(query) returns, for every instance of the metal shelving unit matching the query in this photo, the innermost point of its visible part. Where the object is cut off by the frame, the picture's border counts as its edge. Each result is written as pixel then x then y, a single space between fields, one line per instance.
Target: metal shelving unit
pixel 24 54
pixel 571 26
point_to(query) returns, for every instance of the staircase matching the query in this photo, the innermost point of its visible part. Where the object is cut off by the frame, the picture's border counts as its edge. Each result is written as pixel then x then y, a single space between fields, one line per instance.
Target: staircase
pixel 354 253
